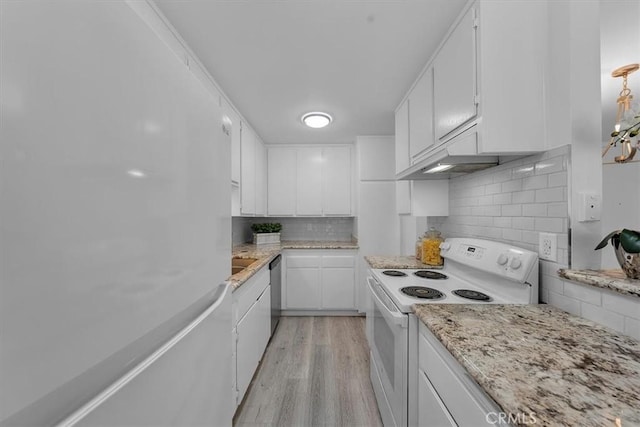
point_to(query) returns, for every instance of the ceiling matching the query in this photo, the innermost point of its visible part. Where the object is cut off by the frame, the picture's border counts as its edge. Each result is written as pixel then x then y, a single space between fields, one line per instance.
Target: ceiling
pixel 277 59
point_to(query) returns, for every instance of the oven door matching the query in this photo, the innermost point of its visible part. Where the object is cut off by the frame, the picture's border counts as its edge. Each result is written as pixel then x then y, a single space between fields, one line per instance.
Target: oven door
pixel 388 340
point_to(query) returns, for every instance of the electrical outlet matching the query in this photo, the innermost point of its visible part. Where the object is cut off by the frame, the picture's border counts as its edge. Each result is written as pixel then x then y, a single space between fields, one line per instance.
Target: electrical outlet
pixel 548 246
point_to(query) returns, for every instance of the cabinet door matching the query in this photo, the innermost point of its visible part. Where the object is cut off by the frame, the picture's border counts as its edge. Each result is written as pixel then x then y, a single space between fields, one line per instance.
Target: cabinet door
pixel 254 330
pixel 309 181
pixel 234 120
pixel 336 181
pixel 261 179
pixel 431 410
pixel 248 172
pixel 455 78
pixel 338 289
pixel 281 180
pixel 303 288
pixel 421 115
pixel 402 137
pixel 403 197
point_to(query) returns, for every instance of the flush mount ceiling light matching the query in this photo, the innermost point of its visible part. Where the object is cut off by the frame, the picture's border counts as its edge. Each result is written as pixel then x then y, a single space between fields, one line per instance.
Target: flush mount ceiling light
pixel 316 119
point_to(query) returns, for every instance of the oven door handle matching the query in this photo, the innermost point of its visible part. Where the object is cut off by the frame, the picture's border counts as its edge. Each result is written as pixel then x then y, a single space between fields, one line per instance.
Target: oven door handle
pixel 397 318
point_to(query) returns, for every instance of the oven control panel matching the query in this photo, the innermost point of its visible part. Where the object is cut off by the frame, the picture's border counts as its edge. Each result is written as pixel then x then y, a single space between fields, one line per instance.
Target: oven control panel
pixel 494 257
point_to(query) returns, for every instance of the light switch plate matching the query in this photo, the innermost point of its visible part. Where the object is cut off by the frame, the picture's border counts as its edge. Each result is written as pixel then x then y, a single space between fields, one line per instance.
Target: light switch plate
pixel 548 246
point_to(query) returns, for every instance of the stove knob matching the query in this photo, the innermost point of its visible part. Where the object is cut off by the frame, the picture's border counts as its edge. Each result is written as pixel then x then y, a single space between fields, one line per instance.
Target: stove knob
pixel 515 263
pixel 445 246
pixel 502 259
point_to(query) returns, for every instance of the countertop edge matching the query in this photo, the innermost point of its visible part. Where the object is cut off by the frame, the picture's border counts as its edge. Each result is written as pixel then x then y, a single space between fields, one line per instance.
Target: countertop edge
pixel 603 279
pixel 266 253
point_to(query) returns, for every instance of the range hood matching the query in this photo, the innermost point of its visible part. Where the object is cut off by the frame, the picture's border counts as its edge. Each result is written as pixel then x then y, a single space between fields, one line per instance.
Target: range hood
pixel 453 158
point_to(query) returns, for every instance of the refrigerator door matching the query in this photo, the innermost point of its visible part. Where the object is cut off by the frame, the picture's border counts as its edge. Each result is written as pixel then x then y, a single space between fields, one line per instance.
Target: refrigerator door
pixel 185 382
pixel 114 199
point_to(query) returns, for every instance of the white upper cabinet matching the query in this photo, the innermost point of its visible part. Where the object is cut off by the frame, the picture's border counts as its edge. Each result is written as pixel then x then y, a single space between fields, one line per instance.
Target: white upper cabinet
pixel 455 78
pixel 261 179
pixel 489 74
pixel 512 73
pixel 421 115
pixel 253 175
pixel 234 120
pixel 336 181
pixel 248 172
pixel 282 171
pixel 309 179
pixel 402 137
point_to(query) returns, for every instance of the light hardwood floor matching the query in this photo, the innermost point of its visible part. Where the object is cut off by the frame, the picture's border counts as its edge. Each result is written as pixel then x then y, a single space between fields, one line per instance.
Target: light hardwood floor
pixel 315 372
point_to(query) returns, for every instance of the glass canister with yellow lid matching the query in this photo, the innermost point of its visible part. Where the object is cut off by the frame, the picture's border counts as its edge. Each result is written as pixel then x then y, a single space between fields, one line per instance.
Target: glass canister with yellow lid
pixel 431 247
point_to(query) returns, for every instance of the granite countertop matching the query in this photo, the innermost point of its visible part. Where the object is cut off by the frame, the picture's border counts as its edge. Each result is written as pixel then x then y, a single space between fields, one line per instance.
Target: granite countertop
pixel 265 253
pixel 614 280
pixel 538 359
pixel 397 262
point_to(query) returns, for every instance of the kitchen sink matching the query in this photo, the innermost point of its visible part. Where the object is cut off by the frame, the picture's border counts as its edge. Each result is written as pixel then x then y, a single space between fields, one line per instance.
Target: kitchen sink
pixel 239 264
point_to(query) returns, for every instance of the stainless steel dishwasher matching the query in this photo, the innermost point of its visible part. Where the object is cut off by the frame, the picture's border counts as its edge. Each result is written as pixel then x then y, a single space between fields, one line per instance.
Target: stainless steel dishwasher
pixel 275 268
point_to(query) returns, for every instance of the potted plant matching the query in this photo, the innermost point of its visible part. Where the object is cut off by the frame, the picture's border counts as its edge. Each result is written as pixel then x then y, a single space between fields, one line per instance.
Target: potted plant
pixel 266 233
pixel 626 244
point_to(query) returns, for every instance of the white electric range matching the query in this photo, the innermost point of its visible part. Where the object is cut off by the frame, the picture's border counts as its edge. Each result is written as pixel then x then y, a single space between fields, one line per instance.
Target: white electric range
pixel 475 272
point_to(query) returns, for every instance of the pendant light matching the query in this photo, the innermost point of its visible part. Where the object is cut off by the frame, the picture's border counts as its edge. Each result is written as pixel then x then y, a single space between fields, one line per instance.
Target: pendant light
pixel 627 123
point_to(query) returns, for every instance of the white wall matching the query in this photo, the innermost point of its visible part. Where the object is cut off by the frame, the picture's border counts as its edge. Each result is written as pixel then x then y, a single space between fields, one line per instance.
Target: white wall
pixel 620 45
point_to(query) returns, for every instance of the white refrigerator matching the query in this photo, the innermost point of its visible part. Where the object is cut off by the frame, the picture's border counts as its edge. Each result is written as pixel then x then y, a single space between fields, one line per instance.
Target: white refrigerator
pixel 115 226
pixel 378 226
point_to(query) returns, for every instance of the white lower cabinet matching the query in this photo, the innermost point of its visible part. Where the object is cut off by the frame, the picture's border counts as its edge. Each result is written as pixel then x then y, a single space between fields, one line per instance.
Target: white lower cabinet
pixel 252 320
pixel 431 411
pixel 447 395
pixel 319 280
pixel 253 335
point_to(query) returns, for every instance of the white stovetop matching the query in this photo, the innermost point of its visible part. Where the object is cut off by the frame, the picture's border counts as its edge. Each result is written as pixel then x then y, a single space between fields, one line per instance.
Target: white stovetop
pixel 392 286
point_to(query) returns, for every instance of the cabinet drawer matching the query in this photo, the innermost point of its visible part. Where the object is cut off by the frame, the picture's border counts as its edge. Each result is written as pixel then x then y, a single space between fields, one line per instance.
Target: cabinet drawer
pixel 249 292
pixel 463 397
pixel 339 261
pixel 303 261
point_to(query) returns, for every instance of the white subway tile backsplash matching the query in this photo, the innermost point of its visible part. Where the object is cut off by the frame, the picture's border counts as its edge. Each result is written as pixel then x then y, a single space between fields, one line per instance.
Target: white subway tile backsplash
pixel 513 203
pixel 587 294
pixel 627 306
pixel 502 199
pixel 512 235
pixel 528 196
pixel 551 225
pixel 530 237
pixel 485 221
pixel 511 186
pixel 502 221
pixel 493 210
pixel 558 179
pixel 556 194
pixel 569 305
pixel 485 200
pixel 493 188
pixel 534 209
pixel 535 182
pixel 558 209
pixel 604 317
pixel 523 223
pixel 511 210
pixel 522 171
pixel 502 176
pixel 553 284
